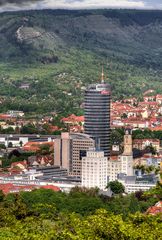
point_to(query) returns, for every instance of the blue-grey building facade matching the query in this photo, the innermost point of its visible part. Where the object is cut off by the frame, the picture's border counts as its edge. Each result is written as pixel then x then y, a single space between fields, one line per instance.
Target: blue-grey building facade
pixel 97 114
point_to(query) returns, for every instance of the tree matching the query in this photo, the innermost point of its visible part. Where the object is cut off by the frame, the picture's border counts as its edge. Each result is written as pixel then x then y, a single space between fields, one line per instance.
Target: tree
pixel 116 187
pixel 1 196
pixel 21 143
pixel 124 116
pixel 2 146
pixel 10 145
pixel 44 150
pixel 117 136
pixel 151 149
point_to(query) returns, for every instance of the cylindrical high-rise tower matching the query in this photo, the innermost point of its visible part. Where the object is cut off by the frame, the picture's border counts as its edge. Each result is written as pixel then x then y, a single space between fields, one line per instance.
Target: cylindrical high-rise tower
pixel 97 114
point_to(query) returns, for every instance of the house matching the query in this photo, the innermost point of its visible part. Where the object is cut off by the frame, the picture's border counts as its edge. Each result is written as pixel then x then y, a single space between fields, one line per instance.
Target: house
pixel 12 188
pixel 159 98
pixel 149 98
pixel 136 123
pixel 73 120
pixel 149 105
pixel 5 117
pixel 15 113
pixel 7 188
pixel 22 165
pixel 156 209
pixel 45 160
pixel 141 144
pixel 130 100
pixel 36 146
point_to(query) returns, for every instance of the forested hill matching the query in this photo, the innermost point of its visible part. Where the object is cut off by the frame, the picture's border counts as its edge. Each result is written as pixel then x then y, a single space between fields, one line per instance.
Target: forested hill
pixel 58 52
pixel 134 36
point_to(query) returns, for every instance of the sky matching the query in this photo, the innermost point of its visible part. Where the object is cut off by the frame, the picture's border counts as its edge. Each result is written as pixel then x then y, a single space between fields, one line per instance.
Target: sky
pixel 9 5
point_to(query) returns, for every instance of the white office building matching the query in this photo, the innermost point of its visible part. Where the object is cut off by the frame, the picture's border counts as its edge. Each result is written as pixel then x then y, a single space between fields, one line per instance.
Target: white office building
pixel 94 169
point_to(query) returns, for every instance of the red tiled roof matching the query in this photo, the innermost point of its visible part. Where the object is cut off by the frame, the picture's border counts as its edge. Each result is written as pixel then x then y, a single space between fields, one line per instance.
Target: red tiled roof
pixel 73 118
pixel 53 128
pixel 158 128
pixel 14 164
pixel 148 103
pixel 6 187
pixel 5 116
pixel 46 159
pixel 154 210
pixel 114 158
pixel 145 140
pixel 54 188
pixel 159 204
pixel 9 187
pixel 35 146
pixel 134 121
pixel 158 96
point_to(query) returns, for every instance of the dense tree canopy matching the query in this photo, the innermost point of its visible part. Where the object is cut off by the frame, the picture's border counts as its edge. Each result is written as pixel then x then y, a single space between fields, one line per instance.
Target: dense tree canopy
pixel 116 187
pixel 81 214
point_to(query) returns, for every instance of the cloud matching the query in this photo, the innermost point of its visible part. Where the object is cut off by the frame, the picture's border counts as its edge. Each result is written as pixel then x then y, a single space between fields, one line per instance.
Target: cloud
pixel 77 4
pixel 17 2
pixel 11 5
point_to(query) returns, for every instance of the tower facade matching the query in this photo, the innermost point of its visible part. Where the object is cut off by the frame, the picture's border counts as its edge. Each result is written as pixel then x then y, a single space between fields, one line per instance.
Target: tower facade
pixel 97 114
pixel 127 156
pixel 128 142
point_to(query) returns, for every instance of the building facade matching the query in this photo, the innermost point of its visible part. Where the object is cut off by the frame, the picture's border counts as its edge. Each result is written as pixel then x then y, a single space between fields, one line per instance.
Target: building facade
pixel 114 168
pixel 69 150
pixel 127 156
pixel 97 115
pixel 94 170
pixel 133 184
pixel 141 144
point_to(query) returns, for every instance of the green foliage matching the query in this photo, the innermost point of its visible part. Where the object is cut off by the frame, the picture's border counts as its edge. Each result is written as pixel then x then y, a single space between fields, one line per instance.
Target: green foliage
pixel 82 214
pixel 116 187
pixel 59 64
pixel 29 129
pixel 2 146
pixel 117 136
pixel 1 196
pixel 44 150
pixel 142 134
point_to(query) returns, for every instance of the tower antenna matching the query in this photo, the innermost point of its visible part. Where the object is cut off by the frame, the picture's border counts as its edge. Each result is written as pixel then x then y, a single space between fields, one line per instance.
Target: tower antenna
pixel 102 75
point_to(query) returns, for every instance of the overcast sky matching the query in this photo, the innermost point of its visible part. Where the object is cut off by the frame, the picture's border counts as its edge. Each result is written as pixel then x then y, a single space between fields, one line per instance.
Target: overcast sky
pixel 78 4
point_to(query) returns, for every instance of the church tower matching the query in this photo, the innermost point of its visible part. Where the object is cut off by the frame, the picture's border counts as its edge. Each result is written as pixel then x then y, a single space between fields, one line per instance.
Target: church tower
pixel 128 142
pixel 127 156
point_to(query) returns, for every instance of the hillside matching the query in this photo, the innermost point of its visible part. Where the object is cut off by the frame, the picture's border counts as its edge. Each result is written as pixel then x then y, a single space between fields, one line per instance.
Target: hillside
pixel 58 52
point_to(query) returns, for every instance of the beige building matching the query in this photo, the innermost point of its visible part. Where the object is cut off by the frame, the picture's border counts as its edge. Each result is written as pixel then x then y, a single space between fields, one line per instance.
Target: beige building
pixel 114 168
pixel 69 150
pixel 94 169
